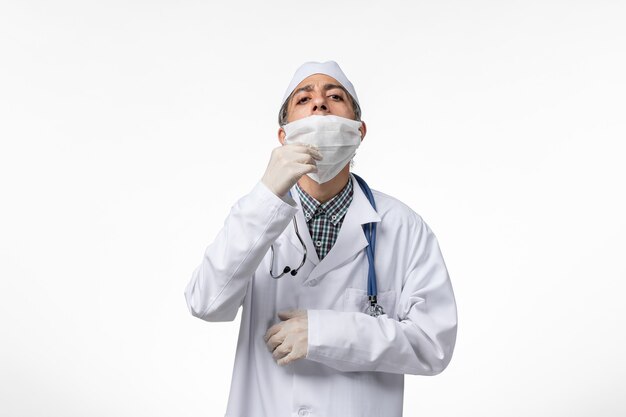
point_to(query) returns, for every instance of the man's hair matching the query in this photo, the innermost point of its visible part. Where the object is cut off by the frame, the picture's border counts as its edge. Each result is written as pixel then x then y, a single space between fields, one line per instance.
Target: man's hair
pixel 282 114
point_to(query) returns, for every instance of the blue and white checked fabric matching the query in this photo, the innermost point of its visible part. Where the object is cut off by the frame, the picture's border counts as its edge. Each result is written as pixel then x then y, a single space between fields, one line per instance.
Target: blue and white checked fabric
pixel 324 220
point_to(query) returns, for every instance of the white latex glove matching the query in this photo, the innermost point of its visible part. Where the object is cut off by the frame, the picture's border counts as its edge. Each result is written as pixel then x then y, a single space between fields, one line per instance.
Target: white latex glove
pixel 289 339
pixel 287 164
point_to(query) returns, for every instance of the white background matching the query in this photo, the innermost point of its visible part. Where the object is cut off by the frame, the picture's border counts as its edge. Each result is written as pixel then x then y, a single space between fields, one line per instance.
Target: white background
pixel 129 128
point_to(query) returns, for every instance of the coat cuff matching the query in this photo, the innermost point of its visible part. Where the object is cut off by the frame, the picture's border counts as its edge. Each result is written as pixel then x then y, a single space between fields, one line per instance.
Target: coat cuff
pixel 322 341
pixel 266 194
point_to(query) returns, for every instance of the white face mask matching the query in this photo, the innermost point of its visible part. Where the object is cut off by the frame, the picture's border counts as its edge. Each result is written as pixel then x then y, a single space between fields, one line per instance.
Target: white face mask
pixel 337 139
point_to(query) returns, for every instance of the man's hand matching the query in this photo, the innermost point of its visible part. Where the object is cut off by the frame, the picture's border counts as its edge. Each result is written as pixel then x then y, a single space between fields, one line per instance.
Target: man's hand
pixel 289 339
pixel 287 164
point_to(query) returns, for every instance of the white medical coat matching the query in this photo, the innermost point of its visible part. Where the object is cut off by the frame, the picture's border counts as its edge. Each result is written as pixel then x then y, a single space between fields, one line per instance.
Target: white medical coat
pixel 355 363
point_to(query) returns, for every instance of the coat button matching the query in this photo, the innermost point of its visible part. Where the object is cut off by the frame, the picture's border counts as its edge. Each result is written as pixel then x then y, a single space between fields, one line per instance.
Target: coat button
pixel 303 412
pixel 313 282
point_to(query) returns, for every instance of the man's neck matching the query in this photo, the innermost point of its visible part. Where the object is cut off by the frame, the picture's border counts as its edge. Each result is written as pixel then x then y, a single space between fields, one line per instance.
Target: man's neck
pixel 326 191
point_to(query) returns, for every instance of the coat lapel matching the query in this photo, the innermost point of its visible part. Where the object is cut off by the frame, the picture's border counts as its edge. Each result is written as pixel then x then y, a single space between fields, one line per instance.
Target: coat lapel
pixel 350 240
pixel 303 230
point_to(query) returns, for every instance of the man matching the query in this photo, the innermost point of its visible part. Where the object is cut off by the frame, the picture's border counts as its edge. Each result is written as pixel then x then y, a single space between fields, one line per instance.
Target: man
pixel 307 346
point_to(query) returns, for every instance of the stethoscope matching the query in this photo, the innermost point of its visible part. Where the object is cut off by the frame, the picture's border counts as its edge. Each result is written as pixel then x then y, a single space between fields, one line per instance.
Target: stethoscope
pixel 374 309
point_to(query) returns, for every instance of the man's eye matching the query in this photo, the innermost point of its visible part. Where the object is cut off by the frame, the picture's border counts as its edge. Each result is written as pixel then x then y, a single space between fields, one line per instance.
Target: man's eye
pixel 336 97
pixel 303 100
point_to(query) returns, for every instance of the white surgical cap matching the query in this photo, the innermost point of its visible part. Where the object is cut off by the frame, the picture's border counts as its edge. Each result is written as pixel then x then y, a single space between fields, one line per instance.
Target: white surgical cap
pixel 330 68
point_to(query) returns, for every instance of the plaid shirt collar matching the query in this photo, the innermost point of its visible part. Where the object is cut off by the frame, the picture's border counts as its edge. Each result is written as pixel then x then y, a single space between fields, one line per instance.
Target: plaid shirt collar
pixel 334 209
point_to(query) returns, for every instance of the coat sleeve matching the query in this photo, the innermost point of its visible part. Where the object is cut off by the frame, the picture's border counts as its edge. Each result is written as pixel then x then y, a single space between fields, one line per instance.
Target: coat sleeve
pixel 218 285
pixel 418 340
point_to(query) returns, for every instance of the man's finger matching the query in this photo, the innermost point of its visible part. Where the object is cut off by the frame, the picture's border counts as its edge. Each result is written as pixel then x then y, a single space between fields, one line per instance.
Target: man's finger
pixel 272 331
pixel 274 341
pixel 305 159
pixel 315 153
pixel 280 352
pixel 308 149
pixel 287 359
pixel 288 314
pixel 305 169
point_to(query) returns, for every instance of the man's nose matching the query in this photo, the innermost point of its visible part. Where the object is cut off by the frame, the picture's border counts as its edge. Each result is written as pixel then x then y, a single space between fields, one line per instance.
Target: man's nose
pixel 319 105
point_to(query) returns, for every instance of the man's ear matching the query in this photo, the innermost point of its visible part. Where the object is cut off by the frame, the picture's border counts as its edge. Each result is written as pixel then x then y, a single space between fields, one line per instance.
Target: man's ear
pixel 281 135
pixel 363 130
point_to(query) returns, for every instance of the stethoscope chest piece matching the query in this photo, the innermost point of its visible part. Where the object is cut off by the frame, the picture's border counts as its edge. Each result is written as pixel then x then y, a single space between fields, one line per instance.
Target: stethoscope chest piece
pixel 374 309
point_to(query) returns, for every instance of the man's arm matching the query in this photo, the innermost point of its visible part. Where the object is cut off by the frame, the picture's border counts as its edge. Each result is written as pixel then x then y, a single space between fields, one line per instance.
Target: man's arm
pixel 420 342
pixel 218 286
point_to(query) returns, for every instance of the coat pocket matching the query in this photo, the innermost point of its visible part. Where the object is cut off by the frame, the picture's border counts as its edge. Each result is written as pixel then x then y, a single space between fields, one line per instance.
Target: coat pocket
pixel 355 299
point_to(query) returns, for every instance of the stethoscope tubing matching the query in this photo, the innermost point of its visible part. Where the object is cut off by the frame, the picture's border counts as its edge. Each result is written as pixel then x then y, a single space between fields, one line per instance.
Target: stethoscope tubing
pixel 370 233
pixel 369 229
